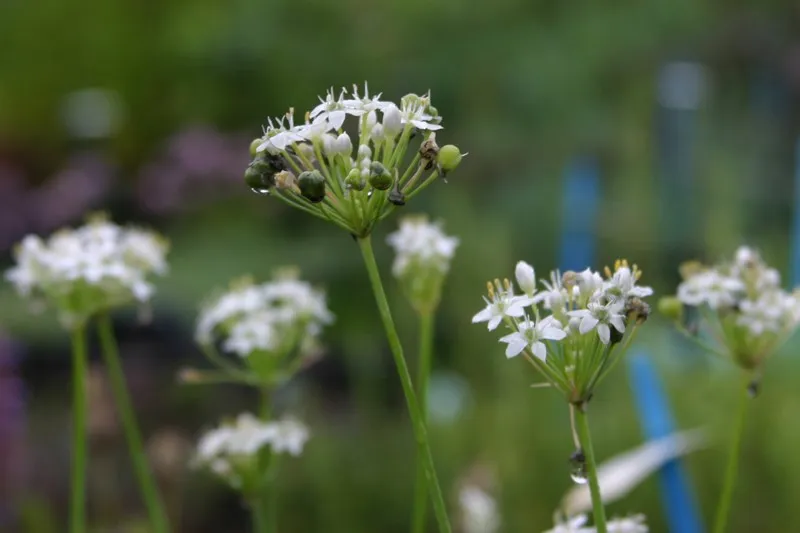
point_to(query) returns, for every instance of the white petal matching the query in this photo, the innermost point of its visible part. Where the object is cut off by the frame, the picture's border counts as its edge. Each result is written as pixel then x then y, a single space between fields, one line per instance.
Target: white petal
pixel 515 347
pixel 516 306
pixel 336 119
pixel 483 315
pixel 540 350
pixel 618 323
pixel 494 322
pixel 553 334
pixel 604 332
pixel 588 322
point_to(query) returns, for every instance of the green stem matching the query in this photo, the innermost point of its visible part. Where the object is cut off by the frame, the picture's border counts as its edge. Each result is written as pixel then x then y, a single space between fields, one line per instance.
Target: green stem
pixel 261 520
pixel 582 425
pixel 266 502
pixel 423 377
pixel 77 505
pixel 418 424
pixel 725 498
pixel 144 475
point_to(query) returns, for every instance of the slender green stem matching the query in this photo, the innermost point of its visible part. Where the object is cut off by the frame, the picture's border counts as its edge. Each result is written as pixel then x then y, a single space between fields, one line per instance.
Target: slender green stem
pixel 266 516
pixel 144 475
pixel 418 424
pixel 423 377
pixel 261 520
pixel 77 505
pixel 582 425
pixel 726 496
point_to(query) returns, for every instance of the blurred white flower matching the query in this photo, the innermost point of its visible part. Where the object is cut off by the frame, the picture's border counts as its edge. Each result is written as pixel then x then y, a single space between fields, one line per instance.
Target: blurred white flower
pixel 577 524
pixel 478 511
pixel 711 288
pixel 421 244
pixel 94 267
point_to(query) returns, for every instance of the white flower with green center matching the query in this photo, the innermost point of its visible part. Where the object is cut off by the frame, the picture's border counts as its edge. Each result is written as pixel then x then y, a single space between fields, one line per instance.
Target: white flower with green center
pixel 334 110
pixel 278 137
pixel 501 304
pixel 712 288
pixel 421 244
pixel 622 285
pixel 414 111
pixel 600 316
pixel 530 335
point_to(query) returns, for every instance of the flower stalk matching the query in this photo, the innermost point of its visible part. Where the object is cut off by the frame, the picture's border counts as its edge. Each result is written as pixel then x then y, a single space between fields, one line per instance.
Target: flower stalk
pixel 77 505
pixel 414 411
pixel 585 438
pixel 423 378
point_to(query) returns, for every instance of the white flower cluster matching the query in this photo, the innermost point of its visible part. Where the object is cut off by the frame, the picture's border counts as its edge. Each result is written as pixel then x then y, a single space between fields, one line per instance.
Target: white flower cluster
pixel 228 450
pixel 330 114
pixel 478 511
pixel 577 524
pixel 90 268
pixel 747 289
pixel 579 303
pixel 276 315
pixel 421 244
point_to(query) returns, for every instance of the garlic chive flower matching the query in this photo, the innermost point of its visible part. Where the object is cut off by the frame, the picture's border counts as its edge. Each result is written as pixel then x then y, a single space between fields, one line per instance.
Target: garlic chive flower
pixel 96 267
pixel 742 307
pixel 479 513
pixel 574 331
pixel 577 524
pixel 231 450
pixel 422 259
pixel 353 160
pixel 271 326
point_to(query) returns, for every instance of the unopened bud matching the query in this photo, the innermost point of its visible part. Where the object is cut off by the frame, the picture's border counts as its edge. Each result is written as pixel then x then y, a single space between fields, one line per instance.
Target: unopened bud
pixel 364 151
pixel 312 185
pixel 254 146
pixel 392 121
pixel 343 145
pixel 377 132
pixel 569 279
pixel 372 119
pixel 355 180
pixel 671 307
pixel 526 277
pixel 379 177
pixel 449 157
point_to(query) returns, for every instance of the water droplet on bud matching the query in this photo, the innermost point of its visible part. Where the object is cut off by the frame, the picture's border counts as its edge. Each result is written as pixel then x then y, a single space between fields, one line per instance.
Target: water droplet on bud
pixel 577 463
pixel 260 190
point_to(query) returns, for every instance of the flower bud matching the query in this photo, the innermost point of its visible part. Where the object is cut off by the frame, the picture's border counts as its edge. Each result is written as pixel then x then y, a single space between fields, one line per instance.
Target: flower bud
pixel 364 151
pixel 392 121
pixel 379 177
pixel 411 100
pixel 306 150
pixel 372 119
pixel 377 132
pixel 254 146
pixel 569 279
pixel 328 144
pixel 343 145
pixel 312 185
pixel 671 307
pixel 526 277
pixel 355 180
pixel 259 175
pixel 449 157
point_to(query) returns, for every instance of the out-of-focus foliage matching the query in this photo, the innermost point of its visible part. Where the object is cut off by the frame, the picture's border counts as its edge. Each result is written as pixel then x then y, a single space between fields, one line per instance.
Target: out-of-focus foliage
pixel 524 87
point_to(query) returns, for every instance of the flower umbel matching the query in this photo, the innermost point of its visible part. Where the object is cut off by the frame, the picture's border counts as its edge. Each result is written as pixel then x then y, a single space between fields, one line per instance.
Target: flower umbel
pixel 741 306
pixel 96 267
pixel 353 183
pixel 575 330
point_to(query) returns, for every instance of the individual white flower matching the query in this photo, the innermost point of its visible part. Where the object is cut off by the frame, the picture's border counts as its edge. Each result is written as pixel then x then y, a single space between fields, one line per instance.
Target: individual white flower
pixel 366 103
pixel 288 436
pixel 622 285
pixel 500 304
pixel 532 335
pixel 600 316
pixel 526 278
pixel 413 111
pixel 421 244
pixel 712 288
pixel 334 111
pixel 278 135
pixel 555 296
pixel 478 510
pixel 588 283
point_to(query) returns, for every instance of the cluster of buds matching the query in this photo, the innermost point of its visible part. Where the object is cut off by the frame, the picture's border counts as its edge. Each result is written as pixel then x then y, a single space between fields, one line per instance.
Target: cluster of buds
pixel 576 329
pixel 231 451
pixel 740 305
pixel 317 168
pixel 577 524
pixel 273 327
pixel 90 269
pixel 423 254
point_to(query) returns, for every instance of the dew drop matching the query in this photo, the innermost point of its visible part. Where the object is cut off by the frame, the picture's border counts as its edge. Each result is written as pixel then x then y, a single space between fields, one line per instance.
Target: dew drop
pixel 369 194
pixel 260 190
pixel 577 463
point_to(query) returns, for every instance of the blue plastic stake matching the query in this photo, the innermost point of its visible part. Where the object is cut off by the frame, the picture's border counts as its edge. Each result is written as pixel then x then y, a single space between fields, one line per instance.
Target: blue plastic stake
pixel 681 510
pixel 581 195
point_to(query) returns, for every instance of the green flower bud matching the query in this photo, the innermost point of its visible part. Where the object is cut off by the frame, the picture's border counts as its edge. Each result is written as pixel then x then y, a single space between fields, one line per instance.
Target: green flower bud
pixel 312 185
pixel 355 181
pixel 671 307
pixel 254 146
pixel 449 157
pixel 432 111
pixel 259 176
pixel 379 177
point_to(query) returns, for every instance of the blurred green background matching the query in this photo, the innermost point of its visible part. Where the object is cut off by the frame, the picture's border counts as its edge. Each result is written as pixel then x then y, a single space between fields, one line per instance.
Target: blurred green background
pixel 688 110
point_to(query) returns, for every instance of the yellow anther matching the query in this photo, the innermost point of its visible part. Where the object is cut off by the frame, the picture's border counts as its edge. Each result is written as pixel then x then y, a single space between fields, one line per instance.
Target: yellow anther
pixel 607 271
pixel 506 284
pixel 490 289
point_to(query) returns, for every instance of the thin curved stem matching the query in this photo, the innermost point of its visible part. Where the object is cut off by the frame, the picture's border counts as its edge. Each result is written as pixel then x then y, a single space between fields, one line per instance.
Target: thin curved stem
pixel 144 474
pixel 731 470
pixel 582 425
pixel 423 377
pixel 77 502
pixel 418 424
